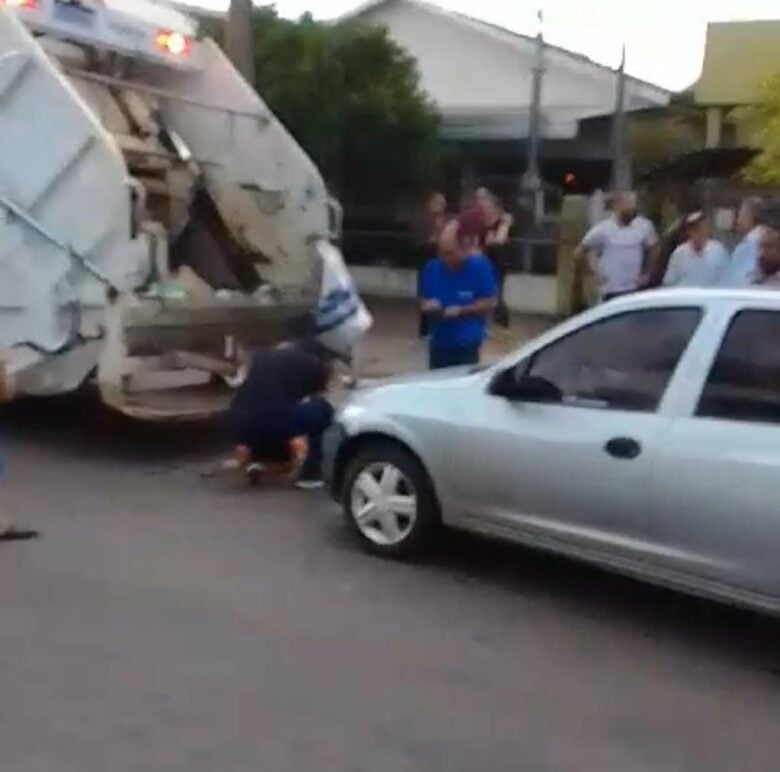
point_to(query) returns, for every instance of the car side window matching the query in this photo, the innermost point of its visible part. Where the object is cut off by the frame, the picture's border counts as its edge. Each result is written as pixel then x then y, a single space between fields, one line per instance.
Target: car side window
pixel 623 362
pixel 744 382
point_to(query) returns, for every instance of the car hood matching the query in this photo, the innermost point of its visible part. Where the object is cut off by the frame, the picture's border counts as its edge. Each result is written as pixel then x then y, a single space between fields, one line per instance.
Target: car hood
pixel 431 376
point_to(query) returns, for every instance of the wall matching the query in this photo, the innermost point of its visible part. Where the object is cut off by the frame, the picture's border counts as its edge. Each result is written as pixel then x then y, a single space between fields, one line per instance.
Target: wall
pixel 467 65
pixel 523 292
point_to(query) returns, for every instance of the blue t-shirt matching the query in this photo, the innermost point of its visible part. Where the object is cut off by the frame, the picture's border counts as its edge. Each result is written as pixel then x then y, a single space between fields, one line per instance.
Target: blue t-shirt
pixel 473 280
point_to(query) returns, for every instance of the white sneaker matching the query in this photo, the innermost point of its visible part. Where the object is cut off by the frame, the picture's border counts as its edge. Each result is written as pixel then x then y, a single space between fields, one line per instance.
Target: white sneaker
pixel 309 485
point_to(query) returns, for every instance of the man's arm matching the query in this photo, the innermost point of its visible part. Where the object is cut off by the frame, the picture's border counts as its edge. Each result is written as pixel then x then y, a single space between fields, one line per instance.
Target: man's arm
pixel 428 302
pixel 318 374
pixel 590 245
pixel 673 272
pixel 486 291
pixel 650 261
pixel 650 257
pixel 481 307
pixel 501 236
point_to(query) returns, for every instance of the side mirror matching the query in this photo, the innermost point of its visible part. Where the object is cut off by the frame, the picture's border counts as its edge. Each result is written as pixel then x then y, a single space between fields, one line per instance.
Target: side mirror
pixel 526 388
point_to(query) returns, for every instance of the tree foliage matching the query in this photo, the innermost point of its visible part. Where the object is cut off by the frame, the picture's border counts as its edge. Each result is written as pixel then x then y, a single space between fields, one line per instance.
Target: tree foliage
pixel 760 123
pixel 657 139
pixel 352 98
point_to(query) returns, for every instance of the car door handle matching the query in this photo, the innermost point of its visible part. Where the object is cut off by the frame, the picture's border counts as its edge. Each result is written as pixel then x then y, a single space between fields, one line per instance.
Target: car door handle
pixel 623 447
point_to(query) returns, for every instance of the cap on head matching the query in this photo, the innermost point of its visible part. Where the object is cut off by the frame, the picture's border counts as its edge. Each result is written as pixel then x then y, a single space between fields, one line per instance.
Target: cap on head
pixel 693 219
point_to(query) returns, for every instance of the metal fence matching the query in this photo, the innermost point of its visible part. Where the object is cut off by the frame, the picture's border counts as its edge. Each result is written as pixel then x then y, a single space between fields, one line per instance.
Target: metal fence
pixel 532 254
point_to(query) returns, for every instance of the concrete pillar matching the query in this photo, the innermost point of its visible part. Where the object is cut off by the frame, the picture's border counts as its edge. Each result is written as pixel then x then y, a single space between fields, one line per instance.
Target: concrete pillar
pixel 577 285
pixel 714 127
pixel 239 41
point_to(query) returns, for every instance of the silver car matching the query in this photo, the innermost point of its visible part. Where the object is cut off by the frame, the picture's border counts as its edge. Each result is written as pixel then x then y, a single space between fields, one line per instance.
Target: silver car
pixel 643 436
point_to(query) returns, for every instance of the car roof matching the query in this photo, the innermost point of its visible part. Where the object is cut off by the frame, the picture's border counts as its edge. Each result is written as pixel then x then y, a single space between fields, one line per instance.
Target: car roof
pixel 698 296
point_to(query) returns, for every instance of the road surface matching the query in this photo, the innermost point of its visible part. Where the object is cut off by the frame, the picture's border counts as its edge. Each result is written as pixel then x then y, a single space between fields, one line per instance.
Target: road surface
pixel 168 622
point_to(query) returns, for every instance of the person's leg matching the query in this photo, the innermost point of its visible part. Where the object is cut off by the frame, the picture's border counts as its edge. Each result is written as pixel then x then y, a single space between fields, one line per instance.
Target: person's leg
pixel 311 419
pixel 423 325
pixel 453 357
pixel 470 355
pixel 502 309
pixel 438 358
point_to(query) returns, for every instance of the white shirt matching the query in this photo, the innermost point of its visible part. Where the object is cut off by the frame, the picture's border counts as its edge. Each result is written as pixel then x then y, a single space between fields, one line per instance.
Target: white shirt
pixel 744 261
pixel 620 250
pixel 758 280
pixel 689 268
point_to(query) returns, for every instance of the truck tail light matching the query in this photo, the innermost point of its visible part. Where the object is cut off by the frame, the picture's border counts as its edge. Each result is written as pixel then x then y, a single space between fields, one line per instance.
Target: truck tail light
pixel 171 42
pixel 28 5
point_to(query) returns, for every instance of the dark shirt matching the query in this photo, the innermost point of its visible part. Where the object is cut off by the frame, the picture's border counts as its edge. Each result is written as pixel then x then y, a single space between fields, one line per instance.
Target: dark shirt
pixel 278 380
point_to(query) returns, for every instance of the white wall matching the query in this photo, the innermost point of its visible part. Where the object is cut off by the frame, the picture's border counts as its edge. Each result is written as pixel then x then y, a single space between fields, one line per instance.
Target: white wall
pixel 526 293
pixel 468 65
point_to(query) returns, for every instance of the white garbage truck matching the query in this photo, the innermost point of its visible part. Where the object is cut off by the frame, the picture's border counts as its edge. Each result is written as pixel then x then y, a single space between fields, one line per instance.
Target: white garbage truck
pixel 156 219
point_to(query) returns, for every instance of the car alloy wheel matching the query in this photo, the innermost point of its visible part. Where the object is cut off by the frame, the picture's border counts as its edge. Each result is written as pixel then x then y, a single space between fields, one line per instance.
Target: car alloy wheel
pixel 384 504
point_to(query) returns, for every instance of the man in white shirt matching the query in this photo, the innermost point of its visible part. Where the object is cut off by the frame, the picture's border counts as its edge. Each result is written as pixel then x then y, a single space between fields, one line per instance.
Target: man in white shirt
pixel 767 272
pixel 698 262
pixel 621 248
pixel 744 260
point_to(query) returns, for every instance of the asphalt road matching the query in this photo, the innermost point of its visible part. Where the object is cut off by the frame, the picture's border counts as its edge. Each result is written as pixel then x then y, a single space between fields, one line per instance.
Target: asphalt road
pixel 168 622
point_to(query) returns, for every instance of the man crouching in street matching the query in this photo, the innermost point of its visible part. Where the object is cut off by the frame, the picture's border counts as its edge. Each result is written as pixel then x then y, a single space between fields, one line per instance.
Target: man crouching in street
pixel 458 292
pixel 281 399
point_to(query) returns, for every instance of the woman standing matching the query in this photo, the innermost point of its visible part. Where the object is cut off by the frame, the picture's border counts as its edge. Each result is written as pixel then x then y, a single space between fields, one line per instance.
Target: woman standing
pixel 498 224
pixel 428 232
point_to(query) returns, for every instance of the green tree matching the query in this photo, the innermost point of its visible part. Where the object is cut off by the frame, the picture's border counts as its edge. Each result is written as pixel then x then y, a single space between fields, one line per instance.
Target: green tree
pixel 760 124
pixel 352 98
pixel 655 139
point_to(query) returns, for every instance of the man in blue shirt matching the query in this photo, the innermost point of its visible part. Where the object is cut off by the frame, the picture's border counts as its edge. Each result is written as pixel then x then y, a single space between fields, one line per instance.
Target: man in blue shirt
pixel 744 261
pixel 458 292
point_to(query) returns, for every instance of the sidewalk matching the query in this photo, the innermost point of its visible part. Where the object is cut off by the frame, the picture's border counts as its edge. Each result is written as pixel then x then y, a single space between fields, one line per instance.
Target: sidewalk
pixel 393 347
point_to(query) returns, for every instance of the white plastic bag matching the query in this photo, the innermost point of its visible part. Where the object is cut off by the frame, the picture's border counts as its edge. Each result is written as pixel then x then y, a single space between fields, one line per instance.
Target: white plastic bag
pixel 341 317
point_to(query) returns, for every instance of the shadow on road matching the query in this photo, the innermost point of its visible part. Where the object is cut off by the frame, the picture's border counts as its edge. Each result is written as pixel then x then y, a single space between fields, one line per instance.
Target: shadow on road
pixel 618 602
pixel 80 424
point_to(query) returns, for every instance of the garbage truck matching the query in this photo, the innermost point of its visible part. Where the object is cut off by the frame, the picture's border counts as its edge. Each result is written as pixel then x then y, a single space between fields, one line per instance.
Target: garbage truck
pixel 156 219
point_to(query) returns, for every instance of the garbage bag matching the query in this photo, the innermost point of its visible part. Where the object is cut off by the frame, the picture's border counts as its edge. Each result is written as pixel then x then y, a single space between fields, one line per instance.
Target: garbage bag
pixel 341 318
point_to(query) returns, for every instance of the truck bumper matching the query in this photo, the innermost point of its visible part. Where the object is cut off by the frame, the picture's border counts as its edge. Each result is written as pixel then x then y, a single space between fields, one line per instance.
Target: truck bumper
pixel 7 382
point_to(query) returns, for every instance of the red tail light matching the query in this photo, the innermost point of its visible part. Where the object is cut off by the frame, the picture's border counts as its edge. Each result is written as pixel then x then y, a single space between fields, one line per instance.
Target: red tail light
pixel 170 42
pixel 28 5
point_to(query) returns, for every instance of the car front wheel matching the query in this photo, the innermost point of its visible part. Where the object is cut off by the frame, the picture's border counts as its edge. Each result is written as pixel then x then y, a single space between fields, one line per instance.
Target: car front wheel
pixel 389 501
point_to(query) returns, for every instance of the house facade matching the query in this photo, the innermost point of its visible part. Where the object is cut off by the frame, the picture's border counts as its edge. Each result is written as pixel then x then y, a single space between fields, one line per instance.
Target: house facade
pixel 737 57
pixel 481 78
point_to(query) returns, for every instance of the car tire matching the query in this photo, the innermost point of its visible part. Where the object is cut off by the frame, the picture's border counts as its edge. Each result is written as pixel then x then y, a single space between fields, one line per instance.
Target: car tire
pixel 415 528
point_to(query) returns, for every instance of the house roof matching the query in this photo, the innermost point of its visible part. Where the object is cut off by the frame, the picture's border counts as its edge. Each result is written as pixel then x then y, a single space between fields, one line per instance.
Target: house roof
pixel 663 95
pixel 738 56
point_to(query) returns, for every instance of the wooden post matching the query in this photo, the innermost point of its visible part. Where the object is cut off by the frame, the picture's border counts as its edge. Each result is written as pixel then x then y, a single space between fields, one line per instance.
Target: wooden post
pixel 577 286
pixel 239 41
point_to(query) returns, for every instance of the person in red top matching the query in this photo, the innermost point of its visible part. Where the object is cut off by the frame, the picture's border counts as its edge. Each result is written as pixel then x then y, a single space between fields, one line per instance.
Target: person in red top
pixel 427 233
pixel 497 224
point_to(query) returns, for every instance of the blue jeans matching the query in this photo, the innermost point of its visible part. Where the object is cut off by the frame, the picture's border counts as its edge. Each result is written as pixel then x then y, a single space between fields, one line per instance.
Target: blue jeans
pixel 439 358
pixel 311 419
pixel 268 436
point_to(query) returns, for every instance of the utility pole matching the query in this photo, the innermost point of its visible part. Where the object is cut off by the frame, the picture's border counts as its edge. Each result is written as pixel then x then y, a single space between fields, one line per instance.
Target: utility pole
pixel 532 182
pixel 239 41
pixel 621 172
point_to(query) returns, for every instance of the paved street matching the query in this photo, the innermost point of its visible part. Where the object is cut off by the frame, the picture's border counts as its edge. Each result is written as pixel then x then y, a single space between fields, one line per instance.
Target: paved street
pixel 170 622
